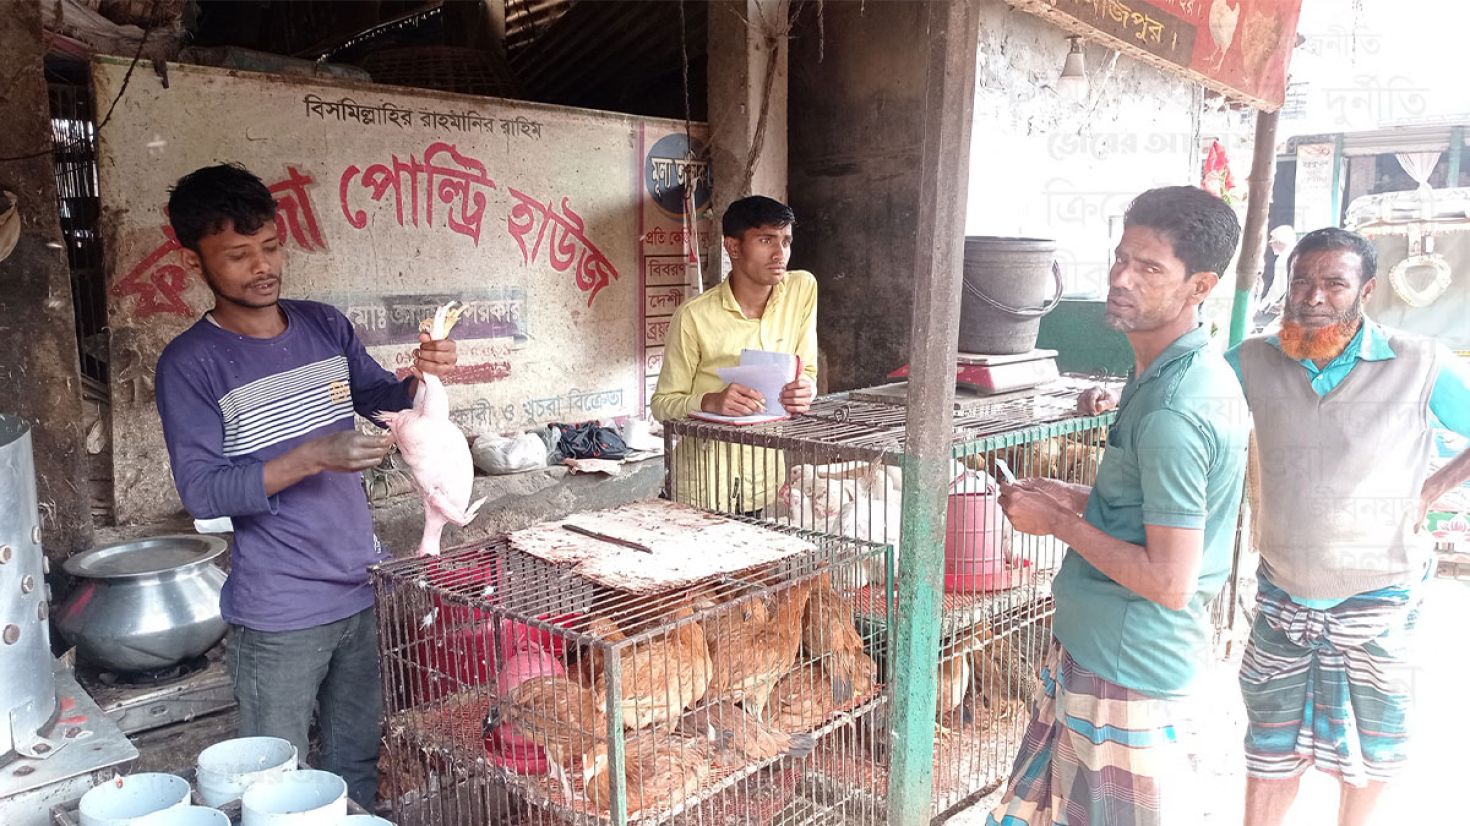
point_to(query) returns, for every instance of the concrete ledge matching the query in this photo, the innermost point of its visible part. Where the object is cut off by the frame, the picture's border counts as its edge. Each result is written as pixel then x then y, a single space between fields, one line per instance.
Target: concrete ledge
pixel 513 502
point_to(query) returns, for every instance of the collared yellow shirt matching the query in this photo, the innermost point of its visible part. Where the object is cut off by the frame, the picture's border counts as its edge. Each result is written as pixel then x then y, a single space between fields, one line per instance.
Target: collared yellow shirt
pixel 706 334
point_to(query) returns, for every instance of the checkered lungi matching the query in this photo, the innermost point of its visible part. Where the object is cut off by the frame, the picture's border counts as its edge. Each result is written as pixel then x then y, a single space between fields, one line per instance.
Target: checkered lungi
pixel 1098 753
pixel 1330 687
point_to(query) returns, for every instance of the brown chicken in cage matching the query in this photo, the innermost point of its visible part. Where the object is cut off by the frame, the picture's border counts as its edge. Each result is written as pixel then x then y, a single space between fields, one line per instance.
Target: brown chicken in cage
pixel 662 676
pixel 1004 670
pixel 1003 686
pixel 954 683
pixel 1010 667
pixel 827 631
pixel 659 769
pixel 737 737
pixel 752 645
pixel 805 698
pixel 1067 459
pixel 559 715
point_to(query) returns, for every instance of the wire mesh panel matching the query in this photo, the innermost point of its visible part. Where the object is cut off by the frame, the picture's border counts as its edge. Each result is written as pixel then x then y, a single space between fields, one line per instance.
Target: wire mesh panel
pixel 837 470
pixel 518 691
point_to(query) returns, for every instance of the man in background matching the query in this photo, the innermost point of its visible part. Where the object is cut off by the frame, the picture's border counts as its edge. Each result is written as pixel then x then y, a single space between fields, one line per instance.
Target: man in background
pixel 1276 277
pixel 1343 414
pixel 760 306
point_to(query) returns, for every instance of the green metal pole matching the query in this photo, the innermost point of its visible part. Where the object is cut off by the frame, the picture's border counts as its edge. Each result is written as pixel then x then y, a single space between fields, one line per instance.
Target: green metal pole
pixel 1239 314
pixel 933 340
pixel 1457 146
pixel 1253 237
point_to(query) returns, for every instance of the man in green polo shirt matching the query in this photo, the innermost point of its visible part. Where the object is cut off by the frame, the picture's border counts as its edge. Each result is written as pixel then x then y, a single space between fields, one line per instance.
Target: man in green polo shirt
pixel 1149 543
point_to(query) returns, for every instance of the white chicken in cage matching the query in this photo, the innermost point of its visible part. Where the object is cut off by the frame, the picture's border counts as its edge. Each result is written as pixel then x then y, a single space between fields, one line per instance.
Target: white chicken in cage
pixel 855 500
pixel 858 500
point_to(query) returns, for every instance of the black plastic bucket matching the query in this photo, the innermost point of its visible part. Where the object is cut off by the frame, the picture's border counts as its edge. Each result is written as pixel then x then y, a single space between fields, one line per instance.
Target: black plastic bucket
pixel 1004 279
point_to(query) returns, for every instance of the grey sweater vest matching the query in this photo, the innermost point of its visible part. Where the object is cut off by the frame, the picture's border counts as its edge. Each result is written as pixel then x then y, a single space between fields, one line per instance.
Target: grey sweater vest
pixel 1341 474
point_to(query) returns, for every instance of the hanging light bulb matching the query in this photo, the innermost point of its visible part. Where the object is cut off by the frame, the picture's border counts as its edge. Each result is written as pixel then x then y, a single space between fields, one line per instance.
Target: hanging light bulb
pixel 1072 85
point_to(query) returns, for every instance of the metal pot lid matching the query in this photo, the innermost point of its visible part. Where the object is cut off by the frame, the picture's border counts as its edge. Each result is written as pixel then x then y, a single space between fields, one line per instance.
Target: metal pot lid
pixel 144 557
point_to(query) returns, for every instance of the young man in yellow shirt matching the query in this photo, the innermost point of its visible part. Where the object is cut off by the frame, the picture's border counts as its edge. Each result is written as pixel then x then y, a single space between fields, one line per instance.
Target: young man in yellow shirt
pixel 760 306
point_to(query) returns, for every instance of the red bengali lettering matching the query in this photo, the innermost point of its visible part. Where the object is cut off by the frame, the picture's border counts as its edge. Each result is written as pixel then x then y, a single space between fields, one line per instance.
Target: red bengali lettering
pixel 158 284
pixel 159 287
pixel 448 176
pixel 295 219
pixel 569 250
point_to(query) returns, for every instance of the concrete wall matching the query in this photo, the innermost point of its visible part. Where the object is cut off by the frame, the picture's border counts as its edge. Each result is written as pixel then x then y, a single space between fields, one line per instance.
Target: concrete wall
pixel 561 229
pixel 1041 166
pixel 38 346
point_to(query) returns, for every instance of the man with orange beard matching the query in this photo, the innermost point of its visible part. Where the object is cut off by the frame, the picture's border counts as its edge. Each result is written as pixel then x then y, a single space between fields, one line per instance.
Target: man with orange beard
pixel 1343 413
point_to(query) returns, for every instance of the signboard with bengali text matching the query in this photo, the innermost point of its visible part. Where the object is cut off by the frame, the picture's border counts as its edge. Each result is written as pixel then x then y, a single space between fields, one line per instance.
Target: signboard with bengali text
pixel 558 229
pixel 1239 48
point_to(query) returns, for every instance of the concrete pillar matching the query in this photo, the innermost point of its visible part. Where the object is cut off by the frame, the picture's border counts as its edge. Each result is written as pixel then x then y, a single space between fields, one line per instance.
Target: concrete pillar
pixel 38 346
pixel 747 83
pixel 858 86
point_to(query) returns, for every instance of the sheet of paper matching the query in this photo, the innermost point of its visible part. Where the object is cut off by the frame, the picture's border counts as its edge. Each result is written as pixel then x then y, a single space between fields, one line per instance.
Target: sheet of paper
pixel 765 372
pixel 765 379
pixel 786 360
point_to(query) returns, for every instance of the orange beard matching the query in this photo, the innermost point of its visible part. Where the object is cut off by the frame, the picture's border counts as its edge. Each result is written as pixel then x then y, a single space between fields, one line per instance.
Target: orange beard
pixel 1317 343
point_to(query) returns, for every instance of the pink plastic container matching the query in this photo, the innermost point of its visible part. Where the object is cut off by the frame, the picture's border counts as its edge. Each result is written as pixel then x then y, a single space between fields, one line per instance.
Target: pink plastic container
pixel 503 746
pixel 975 558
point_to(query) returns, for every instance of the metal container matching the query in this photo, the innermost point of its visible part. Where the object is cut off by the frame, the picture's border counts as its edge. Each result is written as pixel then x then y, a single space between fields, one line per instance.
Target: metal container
pixel 27 689
pixel 146 604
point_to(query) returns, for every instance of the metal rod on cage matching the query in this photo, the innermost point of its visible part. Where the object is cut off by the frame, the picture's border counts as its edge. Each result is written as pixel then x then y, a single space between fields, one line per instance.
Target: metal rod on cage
pixel 616 759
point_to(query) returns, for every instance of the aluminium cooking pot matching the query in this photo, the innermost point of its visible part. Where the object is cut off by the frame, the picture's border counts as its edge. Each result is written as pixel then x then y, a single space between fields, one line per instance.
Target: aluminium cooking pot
pixel 145 604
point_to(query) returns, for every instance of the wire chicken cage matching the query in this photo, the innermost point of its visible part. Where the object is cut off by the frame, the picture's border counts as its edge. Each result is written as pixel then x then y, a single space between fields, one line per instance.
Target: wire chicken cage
pixel 838 470
pixel 521 691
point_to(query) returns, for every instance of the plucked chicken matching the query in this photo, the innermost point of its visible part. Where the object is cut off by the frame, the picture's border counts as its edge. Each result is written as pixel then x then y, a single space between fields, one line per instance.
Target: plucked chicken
pixel 434 447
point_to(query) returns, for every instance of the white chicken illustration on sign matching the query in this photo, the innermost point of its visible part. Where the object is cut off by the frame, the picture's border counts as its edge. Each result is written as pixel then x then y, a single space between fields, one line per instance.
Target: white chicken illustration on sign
pixel 1224 20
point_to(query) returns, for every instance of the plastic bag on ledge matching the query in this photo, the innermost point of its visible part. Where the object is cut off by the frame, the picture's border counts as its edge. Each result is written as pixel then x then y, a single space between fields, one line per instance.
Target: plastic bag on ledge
pixel 500 455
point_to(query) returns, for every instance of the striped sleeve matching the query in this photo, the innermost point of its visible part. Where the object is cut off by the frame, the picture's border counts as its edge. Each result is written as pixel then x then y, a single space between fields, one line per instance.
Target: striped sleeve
pixel 209 483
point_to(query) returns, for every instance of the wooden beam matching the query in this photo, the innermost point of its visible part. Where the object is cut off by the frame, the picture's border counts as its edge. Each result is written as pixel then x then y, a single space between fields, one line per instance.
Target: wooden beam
pixel 39 368
pixel 1253 237
pixel 944 172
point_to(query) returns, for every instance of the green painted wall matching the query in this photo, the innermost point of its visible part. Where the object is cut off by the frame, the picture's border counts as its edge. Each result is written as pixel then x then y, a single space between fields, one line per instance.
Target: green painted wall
pixel 1075 330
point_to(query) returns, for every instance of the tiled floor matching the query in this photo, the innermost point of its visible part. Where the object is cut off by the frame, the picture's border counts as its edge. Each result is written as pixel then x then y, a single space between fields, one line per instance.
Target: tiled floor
pixel 1432 789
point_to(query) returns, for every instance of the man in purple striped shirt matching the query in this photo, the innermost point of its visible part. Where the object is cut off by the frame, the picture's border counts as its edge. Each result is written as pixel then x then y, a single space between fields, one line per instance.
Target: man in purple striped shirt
pixel 257 402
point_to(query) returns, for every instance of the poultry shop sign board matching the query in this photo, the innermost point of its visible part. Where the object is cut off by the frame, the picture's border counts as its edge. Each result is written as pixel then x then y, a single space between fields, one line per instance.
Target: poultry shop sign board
pixel 562 230
pixel 1239 48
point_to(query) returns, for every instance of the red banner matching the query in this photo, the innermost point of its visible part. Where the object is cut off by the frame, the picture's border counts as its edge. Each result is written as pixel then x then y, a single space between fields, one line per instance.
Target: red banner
pixel 1239 48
